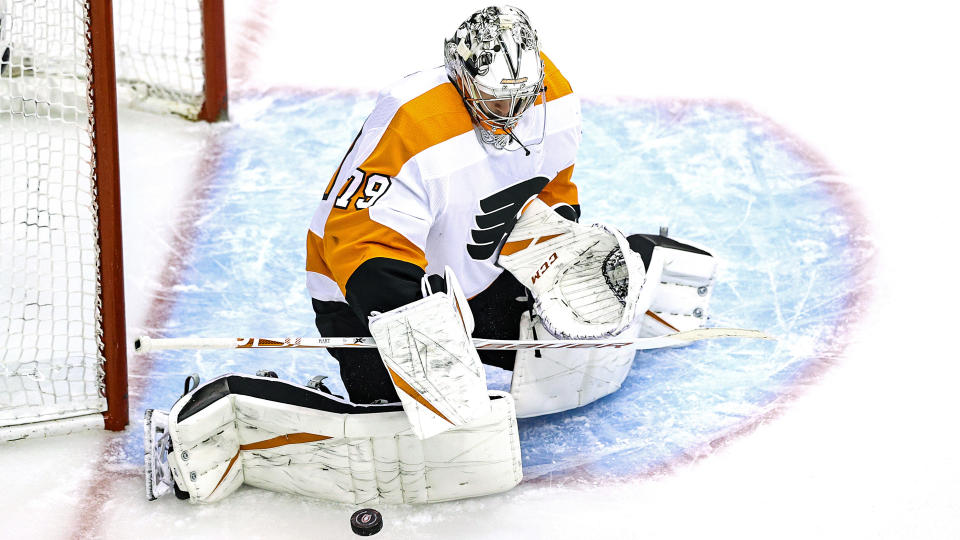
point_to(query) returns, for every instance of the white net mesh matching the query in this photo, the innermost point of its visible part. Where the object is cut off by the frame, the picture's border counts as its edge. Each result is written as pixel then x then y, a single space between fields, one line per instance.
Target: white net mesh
pixel 50 322
pixel 159 53
pixel 51 359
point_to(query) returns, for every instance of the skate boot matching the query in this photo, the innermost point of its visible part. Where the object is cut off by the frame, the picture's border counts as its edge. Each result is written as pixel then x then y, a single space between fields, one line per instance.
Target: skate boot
pixel 157 447
pixel 317 384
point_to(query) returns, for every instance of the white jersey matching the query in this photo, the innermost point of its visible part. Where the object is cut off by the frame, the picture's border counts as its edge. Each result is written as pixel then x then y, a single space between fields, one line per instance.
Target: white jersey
pixel 418 186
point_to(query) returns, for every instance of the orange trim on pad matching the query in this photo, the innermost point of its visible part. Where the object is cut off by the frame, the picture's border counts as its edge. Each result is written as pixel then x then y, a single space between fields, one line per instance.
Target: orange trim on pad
pixel 409 390
pixel 655 317
pixel 282 440
pixel 548 237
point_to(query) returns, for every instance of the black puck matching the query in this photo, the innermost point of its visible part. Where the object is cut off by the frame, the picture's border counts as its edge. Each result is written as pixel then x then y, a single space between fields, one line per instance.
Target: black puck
pixel 366 522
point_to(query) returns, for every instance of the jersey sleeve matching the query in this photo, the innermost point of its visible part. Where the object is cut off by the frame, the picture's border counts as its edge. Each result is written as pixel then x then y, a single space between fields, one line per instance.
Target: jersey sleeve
pixel 374 240
pixel 386 218
pixel 371 229
pixel 561 195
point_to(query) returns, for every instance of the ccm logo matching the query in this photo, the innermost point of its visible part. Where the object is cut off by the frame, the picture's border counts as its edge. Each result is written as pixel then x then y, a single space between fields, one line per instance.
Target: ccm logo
pixel 543 268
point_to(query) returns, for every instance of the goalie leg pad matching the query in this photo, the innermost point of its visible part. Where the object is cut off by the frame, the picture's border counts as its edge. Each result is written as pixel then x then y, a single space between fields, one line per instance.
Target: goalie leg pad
pixel 427 349
pixel 558 380
pixel 284 437
pixel 682 299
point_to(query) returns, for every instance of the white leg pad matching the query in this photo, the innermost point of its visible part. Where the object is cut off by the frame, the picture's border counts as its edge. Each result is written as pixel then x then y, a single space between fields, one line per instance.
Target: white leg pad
pixel 682 300
pixel 559 380
pixel 351 457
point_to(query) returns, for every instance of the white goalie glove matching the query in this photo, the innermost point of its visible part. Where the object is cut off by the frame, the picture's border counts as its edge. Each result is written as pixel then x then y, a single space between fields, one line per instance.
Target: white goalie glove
pixel 586 281
pixel 556 380
pixel 427 349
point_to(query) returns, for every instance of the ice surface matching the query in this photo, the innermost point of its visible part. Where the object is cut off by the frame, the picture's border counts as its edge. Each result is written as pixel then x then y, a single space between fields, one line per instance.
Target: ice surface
pixel 836 430
pixel 718 174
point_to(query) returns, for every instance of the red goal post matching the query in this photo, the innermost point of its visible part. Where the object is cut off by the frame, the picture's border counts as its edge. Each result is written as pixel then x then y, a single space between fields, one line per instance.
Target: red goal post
pixel 106 178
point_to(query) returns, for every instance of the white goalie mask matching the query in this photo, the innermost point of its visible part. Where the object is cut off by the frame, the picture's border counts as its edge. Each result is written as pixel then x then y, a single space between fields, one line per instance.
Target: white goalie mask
pixel 494 61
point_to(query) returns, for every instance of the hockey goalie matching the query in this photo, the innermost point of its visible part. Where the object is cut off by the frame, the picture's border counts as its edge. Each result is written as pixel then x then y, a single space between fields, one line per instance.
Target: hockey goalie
pixel 452 215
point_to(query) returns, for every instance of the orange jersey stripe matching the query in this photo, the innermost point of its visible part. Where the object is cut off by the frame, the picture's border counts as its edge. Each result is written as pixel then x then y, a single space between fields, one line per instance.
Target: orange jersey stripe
pixel 424 121
pixel 352 238
pixel 560 190
pixel 556 83
pixel 315 260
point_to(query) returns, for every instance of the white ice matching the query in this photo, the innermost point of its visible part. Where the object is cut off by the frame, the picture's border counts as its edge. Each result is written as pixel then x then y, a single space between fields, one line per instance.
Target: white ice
pixel 869 451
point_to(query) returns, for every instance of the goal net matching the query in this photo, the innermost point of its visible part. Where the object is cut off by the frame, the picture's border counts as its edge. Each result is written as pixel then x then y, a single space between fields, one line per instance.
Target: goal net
pixel 169 55
pixel 62 338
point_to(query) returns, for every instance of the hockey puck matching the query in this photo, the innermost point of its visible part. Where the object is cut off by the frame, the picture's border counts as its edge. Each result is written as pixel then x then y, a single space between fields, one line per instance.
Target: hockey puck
pixel 366 522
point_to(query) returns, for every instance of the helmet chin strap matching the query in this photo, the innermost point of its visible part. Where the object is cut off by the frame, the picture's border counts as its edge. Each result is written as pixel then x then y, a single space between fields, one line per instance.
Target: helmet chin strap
pixel 514 137
pixel 486 127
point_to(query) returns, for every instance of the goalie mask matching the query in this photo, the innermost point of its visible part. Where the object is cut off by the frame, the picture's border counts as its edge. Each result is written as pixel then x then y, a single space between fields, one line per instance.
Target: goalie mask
pixel 494 61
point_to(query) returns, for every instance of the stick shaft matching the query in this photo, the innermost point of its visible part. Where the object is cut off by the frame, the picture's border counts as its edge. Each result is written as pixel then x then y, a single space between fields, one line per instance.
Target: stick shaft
pixel 146 344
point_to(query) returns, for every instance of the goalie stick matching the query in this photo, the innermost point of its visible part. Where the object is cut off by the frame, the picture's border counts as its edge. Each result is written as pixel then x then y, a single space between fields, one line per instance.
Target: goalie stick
pixel 145 344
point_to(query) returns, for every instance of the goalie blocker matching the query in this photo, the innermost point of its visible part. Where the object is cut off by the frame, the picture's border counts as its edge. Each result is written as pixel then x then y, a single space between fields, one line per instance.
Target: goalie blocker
pixel 276 435
pixel 426 347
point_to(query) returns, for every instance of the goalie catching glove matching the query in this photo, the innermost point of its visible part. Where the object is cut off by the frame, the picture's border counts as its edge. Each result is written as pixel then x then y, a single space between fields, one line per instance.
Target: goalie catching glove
pixel 675 279
pixel 586 281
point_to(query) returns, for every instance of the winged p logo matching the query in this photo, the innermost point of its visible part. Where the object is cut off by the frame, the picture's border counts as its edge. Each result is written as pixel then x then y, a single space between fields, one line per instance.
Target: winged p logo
pixel 500 213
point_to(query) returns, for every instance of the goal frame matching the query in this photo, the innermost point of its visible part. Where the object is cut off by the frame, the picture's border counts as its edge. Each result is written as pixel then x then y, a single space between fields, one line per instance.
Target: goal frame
pixel 107 173
pixel 102 96
pixel 107 170
pixel 215 106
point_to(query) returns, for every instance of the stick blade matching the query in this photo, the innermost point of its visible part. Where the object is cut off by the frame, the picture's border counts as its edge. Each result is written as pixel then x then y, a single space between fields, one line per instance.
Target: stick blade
pixel 712 333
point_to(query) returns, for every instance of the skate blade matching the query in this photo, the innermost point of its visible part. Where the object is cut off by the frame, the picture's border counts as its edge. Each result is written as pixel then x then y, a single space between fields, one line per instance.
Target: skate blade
pixel 154 428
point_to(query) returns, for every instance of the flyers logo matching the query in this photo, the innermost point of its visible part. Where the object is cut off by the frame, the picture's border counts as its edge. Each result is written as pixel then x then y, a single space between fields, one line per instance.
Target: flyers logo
pixel 500 213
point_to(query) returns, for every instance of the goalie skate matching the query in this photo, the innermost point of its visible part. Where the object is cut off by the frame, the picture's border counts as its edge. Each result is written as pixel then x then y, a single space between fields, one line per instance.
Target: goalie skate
pixel 157 446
